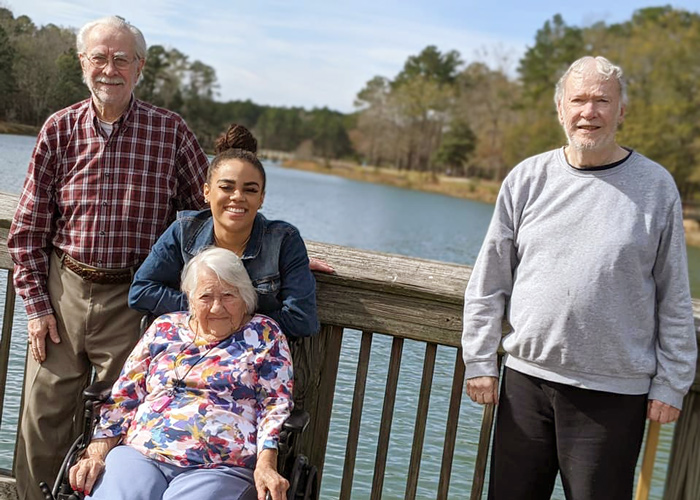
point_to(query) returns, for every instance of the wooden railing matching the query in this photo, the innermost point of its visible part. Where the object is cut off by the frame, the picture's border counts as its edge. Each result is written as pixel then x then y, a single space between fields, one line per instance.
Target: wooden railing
pixel 378 294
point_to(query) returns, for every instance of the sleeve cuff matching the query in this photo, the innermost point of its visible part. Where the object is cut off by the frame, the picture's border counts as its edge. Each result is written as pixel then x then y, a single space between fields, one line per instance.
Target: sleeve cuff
pixel 38 307
pixel 487 368
pixel 666 395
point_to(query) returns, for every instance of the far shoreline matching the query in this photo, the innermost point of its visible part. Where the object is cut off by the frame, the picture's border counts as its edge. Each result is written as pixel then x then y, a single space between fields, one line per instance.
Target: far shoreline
pixel 18 129
pixel 474 189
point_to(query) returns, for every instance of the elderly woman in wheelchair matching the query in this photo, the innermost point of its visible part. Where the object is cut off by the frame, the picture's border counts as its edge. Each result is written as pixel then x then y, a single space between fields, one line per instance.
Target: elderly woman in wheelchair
pixel 197 410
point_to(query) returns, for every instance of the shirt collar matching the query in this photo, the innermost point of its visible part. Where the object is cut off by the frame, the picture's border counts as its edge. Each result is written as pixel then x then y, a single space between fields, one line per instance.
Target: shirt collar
pixel 123 120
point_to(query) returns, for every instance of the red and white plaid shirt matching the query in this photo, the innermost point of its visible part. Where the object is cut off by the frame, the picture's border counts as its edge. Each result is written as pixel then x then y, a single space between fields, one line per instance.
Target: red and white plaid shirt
pixel 102 200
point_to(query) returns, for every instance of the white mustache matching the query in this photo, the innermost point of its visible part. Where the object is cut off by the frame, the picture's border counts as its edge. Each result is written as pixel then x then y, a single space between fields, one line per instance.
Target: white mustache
pixel 110 81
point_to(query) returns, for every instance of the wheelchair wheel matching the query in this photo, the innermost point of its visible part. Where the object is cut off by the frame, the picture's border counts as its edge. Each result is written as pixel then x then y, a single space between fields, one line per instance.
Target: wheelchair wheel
pixel 295 477
pixel 311 490
pixel 303 480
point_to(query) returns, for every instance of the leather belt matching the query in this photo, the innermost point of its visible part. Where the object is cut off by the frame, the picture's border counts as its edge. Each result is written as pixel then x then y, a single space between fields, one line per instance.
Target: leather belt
pixel 94 275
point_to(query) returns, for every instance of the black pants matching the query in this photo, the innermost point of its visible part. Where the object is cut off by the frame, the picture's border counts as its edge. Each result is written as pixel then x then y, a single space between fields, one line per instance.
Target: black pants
pixel 592 438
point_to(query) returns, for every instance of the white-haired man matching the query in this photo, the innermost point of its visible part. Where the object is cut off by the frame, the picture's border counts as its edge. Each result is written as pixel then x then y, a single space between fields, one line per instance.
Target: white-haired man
pixel 105 179
pixel 586 254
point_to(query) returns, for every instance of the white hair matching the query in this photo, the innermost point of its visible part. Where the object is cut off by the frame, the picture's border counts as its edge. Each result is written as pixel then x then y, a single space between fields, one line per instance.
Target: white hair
pixel 114 22
pixel 227 267
pixel 604 67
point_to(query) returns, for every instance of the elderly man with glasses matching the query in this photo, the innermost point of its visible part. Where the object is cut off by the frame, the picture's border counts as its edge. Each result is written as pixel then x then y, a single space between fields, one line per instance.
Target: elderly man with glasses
pixel 105 179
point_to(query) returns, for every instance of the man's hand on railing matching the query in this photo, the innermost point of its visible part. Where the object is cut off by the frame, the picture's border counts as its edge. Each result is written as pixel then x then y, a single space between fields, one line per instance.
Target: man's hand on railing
pixel 37 329
pixel 662 412
pixel 483 390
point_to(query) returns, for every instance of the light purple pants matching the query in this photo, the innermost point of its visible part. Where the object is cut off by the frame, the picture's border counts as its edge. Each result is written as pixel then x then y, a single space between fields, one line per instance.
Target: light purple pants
pixel 130 475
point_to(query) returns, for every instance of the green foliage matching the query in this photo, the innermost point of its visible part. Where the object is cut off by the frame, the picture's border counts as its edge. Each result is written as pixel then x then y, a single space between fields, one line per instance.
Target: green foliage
pixel 328 134
pixel 432 65
pixel 280 128
pixel 556 47
pixel 69 87
pixel 457 145
pixel 8 85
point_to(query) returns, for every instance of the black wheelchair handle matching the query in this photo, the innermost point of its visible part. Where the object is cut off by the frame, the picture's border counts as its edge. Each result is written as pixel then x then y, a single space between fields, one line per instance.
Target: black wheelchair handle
pixel 297 421
pixel 98 391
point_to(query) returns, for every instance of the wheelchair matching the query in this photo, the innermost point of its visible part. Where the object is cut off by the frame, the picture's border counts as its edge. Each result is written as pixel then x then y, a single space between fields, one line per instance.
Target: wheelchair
pixel 302 476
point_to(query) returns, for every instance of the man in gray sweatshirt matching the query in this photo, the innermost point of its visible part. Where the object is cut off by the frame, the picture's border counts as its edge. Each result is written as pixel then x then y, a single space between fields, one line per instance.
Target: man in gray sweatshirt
pixel 585 255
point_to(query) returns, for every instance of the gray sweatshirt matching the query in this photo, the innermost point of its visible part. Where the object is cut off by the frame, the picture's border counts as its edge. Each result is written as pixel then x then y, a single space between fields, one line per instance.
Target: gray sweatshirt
pixel 591 266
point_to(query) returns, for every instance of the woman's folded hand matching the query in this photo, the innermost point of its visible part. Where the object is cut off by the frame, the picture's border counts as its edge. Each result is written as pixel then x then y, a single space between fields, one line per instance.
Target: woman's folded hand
pixel 87 470
pixel 266 477
pixel 84 474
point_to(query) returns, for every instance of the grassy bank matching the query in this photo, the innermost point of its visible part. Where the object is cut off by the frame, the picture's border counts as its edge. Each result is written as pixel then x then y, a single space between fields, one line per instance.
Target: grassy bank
pixel 458 187
pixel 17 129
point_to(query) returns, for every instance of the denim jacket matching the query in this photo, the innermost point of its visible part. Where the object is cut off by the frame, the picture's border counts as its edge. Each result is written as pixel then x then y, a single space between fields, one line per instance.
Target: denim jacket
pixel 275 259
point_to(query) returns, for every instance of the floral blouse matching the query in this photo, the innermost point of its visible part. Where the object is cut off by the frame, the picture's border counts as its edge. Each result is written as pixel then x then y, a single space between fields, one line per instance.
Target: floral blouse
pixel 189 403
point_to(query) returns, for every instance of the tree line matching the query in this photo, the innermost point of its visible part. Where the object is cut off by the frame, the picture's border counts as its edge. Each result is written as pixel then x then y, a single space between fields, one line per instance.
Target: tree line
pixel 439 114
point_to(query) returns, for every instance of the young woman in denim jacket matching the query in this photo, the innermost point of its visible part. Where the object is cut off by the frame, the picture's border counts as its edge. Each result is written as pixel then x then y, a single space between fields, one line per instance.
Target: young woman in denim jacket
pixel 273 252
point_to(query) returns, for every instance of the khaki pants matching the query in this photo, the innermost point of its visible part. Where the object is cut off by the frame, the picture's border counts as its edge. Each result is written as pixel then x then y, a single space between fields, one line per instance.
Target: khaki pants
pixel 97 329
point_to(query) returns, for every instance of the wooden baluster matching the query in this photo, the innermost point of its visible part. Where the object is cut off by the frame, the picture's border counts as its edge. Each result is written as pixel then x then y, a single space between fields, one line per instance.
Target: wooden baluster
pixel 356 416
pixel 451 427
pixel 316 369
pixel 387 417
pixel 5 342
pixel 421 417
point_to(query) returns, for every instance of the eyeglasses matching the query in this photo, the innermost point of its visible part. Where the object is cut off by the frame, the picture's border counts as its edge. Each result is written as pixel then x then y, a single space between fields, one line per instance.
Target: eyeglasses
pixel 119 62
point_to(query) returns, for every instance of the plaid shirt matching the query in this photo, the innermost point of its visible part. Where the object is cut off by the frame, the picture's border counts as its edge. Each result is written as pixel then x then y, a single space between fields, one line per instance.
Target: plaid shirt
pixel 102 200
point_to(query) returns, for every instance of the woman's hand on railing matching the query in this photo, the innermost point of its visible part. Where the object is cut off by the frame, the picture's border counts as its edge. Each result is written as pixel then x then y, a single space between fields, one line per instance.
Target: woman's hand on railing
pixel 320 266
pixel 483 390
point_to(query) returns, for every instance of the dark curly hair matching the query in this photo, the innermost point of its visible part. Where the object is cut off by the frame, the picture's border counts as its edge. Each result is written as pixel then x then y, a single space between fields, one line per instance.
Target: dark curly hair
pixel 237 143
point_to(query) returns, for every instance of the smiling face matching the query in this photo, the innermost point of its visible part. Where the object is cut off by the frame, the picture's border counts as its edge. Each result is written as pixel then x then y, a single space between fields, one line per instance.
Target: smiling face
pixel 235 194
pixel 111 86
pixel 217 306
pixel 591 110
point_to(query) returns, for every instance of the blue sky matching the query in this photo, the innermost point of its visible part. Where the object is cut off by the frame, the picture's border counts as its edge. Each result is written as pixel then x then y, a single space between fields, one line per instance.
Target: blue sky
pixel 315 53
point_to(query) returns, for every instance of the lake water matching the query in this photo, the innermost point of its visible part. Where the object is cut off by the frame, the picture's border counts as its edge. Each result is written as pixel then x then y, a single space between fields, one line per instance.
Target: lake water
pixel 374 217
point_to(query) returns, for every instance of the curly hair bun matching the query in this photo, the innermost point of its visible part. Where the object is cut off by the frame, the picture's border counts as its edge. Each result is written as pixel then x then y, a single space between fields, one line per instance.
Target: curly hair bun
pixel 236 137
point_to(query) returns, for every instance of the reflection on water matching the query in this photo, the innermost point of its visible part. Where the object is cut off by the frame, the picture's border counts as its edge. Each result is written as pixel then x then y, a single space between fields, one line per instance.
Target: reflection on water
pixel 374 217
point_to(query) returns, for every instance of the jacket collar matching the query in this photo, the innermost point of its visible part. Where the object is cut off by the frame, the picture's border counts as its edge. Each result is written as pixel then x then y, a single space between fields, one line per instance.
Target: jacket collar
pixel 204 236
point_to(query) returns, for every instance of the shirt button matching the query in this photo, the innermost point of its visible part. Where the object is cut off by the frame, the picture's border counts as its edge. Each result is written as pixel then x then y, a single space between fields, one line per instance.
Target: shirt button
pixel 102 233
pixel 104 203
pixel 99 262
pixel 107 174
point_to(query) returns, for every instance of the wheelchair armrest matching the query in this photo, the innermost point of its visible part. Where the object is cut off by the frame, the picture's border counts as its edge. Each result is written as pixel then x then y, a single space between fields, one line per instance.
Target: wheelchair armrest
pixel 146 321
pixel 297 421
pixel 98 391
